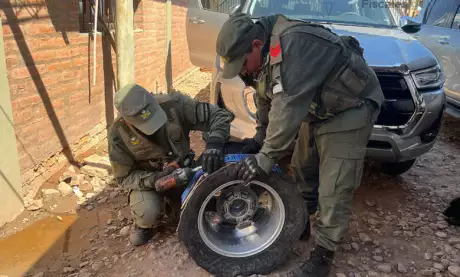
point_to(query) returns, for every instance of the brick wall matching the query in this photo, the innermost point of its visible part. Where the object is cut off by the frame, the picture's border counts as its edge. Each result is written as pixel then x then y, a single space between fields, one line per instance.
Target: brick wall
pixel 56 106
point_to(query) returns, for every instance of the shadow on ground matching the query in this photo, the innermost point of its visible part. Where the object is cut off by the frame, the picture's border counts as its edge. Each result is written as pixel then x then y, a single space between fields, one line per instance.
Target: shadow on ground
pixel 95 244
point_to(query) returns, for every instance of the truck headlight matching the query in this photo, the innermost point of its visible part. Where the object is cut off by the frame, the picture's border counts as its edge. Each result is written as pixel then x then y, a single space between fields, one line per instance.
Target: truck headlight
pixel 432 77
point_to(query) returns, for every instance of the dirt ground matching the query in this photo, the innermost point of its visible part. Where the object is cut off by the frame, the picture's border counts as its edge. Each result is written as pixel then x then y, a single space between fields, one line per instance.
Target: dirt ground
pixel 396 229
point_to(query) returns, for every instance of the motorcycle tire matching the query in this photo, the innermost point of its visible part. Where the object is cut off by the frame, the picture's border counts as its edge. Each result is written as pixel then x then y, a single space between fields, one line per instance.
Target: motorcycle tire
pixel 260 263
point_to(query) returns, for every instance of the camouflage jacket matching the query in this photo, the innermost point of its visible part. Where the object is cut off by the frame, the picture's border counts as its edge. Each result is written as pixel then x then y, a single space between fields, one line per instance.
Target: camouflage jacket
pixel 309 74
pixel 137 160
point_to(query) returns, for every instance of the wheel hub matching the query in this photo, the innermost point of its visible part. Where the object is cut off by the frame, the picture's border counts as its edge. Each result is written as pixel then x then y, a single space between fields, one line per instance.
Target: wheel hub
pixel 238 204
pixel 243 219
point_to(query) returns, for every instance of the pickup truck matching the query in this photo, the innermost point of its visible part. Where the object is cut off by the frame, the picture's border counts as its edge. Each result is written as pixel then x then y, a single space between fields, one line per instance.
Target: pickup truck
pixel 409 73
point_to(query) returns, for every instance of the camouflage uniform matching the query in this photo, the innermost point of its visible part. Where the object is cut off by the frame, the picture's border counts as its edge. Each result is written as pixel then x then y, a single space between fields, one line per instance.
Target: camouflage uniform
pixel 317 82
pixel 137 159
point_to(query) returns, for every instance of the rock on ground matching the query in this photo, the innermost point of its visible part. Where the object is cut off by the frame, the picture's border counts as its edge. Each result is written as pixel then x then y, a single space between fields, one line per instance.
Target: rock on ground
pixel 438 266
pixel 373 221
pixel 68 174
pixel 68 269
pixel 103 200
pixel 50 194
pixel 33 204
pixel 454 270
pixel 370 202
pixel 85 184
pixel 97 184
pixel 385 268
pixel 427 272
pixel 75 181
pixel 66 177
pixel 84 274
pixel 364 238
pixel 441 234
pixel 113 195
pixel 97 266
pixel 454 240
pixel 97 166
pixel 64 189
pixel 81 200
pixel 445 262
pixel 355 246
pixel 402 268
pixel 125 231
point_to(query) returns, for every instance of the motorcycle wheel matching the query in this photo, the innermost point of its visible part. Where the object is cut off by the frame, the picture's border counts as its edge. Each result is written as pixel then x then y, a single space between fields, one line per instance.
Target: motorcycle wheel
pixel 230 229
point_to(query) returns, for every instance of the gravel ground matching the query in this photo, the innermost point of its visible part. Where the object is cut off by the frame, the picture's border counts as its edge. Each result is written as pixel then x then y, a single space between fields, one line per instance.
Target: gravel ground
pixel 396 228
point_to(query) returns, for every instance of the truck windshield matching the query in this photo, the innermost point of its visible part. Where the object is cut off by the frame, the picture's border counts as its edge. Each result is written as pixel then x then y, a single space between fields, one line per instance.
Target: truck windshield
pixel 352 12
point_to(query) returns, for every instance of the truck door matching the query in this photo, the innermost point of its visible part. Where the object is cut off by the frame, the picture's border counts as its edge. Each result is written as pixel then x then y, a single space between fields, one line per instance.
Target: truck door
pixel 204 20
pixel 438 36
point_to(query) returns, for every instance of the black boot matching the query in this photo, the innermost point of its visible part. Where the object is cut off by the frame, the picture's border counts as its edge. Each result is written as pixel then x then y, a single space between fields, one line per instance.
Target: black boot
pixel 452 213
pixel 311 202
pixel 319 264
pixel 307 231
pixel 140 236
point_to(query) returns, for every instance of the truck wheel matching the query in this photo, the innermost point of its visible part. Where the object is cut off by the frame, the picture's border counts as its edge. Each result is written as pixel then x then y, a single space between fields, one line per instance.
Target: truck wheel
pixel 230 229
pixel 397 168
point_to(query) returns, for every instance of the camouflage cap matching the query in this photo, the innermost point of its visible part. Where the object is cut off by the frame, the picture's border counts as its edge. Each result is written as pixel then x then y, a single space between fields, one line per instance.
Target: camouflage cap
pixel 140 108
pixel 234 42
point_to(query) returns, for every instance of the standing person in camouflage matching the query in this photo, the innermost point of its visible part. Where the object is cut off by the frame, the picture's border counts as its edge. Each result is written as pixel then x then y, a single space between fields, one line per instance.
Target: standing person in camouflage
pixel 315 84
pixel 149 145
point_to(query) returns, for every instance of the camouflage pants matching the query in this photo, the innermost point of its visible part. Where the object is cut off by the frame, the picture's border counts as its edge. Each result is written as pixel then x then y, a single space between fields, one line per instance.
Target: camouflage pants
pixel 327 164
pixel 148 206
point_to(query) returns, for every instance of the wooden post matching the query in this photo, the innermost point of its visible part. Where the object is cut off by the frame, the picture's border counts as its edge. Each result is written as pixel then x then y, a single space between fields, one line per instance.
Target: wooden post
pixel 168 66
pixel 96 11
pixel 125 42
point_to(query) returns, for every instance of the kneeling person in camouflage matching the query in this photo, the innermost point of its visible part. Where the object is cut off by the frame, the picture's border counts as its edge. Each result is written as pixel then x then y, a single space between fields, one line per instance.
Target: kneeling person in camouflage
pixel 149 148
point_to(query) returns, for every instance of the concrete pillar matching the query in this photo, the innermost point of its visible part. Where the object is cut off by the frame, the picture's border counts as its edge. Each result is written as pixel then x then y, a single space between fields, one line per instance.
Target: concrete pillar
pixel 10 178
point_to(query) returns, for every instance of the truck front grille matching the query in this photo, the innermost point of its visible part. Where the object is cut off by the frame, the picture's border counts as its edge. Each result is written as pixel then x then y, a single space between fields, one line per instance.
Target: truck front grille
pixel 398 106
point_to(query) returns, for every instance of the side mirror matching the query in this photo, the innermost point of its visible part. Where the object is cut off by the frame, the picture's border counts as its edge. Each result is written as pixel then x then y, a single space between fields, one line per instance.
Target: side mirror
pixel 235 8
pixel 409 24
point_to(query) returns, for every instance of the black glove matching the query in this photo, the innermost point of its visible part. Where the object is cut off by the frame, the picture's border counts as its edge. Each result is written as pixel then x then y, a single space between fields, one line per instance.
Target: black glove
pixel 248 80
pixel 213 155
pixel 248 170
pixel 250 146
pixel 168 169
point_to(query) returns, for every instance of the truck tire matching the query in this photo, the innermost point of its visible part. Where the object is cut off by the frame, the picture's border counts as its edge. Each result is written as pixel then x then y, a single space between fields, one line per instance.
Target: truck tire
pixel 397 168
pixel 263 262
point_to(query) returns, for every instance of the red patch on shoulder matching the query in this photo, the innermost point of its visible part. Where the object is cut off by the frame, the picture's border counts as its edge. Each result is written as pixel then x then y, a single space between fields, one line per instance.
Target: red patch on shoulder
pixel 275 51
